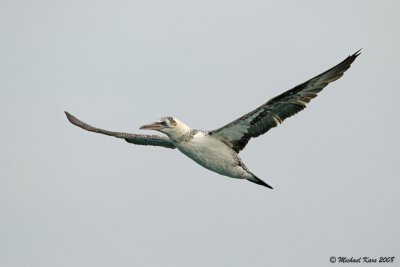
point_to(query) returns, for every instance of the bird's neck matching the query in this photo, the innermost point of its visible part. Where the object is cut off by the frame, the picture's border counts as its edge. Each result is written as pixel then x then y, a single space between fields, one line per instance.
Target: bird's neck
pixel 179 131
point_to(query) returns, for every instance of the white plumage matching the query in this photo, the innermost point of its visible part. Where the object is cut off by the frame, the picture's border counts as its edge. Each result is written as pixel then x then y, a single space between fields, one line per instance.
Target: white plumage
pixel 213 154
pixel 218 150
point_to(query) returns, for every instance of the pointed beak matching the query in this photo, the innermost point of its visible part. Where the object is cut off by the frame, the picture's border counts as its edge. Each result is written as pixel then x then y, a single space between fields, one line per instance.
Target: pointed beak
pixel 152 126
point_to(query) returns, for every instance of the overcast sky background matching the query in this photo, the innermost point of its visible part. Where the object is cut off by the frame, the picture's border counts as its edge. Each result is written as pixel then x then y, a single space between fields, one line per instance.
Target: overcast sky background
pixel 73 198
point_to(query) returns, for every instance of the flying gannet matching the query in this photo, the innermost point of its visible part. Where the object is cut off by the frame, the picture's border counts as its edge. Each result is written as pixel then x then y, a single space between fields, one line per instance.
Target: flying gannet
pixel 218 150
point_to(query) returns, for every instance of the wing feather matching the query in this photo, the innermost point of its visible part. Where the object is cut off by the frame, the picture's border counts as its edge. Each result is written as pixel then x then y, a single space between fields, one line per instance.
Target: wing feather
pixel 238 133
pixel 137 139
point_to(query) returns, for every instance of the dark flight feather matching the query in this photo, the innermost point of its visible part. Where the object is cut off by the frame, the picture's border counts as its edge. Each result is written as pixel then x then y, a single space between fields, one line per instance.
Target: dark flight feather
pixel 238 133
pixel 137 139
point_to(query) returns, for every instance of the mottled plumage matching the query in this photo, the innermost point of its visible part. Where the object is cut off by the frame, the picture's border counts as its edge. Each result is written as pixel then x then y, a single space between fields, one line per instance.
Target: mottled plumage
pixel 218 150
pixel 238 133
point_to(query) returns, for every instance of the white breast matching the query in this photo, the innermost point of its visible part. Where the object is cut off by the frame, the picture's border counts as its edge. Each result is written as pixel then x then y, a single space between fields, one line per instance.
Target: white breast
pixel 212 154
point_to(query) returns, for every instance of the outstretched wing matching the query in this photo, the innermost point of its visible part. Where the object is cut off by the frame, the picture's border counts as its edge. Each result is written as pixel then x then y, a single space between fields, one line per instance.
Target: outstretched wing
pixel 137 139
pixel 238 133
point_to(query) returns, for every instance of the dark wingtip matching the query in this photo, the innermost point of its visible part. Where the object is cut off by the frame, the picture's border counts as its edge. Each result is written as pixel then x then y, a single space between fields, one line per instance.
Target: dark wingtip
pixel 72 119
pixel 69 116
pixel 356 54
pixel 344 65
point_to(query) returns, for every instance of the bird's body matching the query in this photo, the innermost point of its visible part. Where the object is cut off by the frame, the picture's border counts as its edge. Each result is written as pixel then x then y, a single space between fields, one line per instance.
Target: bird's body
pixel 213 154
pixel 218 150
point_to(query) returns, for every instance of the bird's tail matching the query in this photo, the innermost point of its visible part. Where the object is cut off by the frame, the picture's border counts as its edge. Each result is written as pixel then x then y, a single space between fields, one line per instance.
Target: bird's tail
pixel 257 180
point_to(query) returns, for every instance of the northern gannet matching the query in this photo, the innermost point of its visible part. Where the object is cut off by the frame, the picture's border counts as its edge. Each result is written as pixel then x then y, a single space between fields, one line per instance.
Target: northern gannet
pixel 218 150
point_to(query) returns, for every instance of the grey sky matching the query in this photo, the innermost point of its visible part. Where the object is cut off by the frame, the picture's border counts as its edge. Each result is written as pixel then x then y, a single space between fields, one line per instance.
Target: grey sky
pixel 73 198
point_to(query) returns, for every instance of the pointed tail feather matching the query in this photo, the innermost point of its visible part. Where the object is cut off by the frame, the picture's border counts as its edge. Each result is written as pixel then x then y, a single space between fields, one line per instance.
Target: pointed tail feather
pixel 257 180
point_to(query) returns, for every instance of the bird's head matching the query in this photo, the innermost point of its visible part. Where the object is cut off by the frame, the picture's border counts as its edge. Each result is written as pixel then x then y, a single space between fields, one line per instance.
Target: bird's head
pixel 172 127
